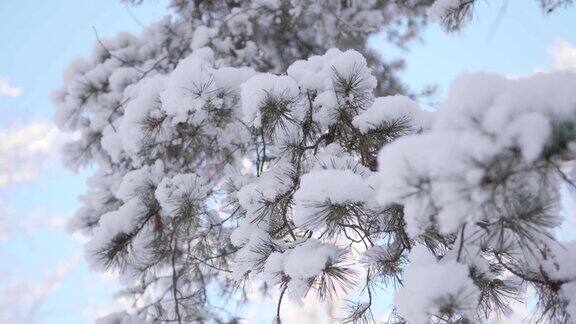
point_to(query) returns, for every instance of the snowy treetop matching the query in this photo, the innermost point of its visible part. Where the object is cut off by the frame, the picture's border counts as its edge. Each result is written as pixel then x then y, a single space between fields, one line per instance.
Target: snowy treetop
pixel 228 158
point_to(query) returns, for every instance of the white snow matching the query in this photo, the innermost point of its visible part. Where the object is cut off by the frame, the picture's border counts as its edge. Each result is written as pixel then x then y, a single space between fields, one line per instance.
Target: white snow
pixel 172 191
pixel 393 108
pixel 202 36
pixel 328 187
pixel 314 254
pixel 256 89
pixel 428 284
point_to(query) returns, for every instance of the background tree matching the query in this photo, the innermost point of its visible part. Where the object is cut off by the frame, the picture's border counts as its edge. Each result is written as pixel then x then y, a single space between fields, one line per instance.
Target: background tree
pixel 214 173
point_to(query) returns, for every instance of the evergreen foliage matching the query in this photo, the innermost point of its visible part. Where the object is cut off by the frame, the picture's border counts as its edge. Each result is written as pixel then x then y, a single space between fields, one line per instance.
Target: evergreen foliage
pixel 235 149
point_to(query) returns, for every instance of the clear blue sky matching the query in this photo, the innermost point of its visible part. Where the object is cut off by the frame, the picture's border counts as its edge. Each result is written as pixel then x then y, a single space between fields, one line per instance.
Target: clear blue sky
pixel 38 38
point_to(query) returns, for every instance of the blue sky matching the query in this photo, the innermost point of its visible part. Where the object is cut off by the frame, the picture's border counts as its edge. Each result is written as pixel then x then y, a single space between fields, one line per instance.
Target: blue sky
pixel 38 39
pixel 509 37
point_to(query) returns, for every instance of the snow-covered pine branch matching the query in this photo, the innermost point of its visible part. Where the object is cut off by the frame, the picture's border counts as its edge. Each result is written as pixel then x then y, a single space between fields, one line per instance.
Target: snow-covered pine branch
pixel 159 116
pixel 229 158
pixel 470 193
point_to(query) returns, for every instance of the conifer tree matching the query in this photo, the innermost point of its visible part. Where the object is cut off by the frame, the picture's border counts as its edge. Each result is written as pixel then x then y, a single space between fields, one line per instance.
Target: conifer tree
pixel 236 148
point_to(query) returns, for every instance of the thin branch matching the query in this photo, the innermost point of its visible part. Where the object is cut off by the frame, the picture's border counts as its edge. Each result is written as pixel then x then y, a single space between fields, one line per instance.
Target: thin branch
pixel 278 320
pixel 175 280
pixel 461 243
pixel 111 54
pixel 563 175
